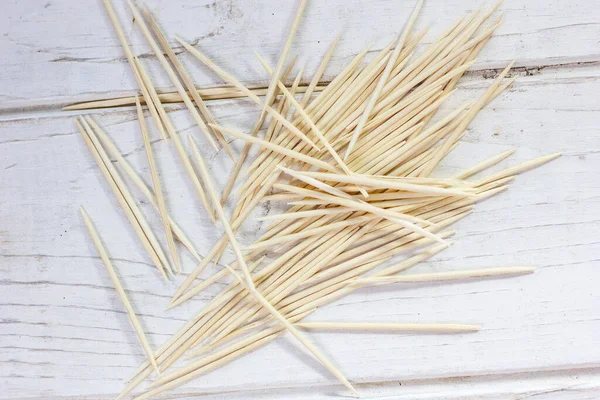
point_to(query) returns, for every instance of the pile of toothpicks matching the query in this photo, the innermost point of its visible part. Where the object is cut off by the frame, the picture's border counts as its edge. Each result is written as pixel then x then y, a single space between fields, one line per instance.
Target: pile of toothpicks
pixel 353 158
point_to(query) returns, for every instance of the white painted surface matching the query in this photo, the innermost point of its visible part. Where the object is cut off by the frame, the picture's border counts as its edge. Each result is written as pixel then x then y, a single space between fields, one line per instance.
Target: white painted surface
pixel 62 329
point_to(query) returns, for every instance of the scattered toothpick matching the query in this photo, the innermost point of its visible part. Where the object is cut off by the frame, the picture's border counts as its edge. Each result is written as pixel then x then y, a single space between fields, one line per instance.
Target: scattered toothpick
pixel 120 291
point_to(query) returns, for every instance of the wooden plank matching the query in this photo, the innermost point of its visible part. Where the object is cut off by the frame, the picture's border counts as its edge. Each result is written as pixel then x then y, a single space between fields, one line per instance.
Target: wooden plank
pixel 63 51
pixel 63 333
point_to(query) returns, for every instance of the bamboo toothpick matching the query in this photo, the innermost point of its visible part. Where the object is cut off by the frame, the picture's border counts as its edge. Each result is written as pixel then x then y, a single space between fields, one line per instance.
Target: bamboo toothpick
pixel 330 242
pixel 388 327
pixel 207 94
pixel 244 154
pixel 120 291
pixel 444 276
pixel 381 182
pixel 467 173
pixel 442 151
pixel 223 359
pixel 304 214
pixel 130 59
pixel 249 283
pixel 519 168
pixel 392 216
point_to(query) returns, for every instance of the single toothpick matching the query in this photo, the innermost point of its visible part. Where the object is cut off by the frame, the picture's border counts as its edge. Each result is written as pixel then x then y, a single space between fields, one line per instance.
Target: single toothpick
pixel 381 182
pixel 519 168
pixel 388 327
pixel 119 288
pixel 467 173
pixel 207 94
pixel 445 276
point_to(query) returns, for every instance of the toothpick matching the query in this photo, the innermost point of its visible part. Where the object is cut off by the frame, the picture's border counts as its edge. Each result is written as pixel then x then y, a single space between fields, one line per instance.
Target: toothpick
pixel 388 327
pixel 221 361
pixel 207 94
pixel 304 214
pixel 130 59
pixel 308 232
pixel 247 281
pixel 520 168
pixel 316 183
pixel 445 276
pixel 242 158
pixel 394 217
pixel 195 52
pixel 472 112
pixel 300 110
pixel 467 173
pixel 383 183
pixel 120 291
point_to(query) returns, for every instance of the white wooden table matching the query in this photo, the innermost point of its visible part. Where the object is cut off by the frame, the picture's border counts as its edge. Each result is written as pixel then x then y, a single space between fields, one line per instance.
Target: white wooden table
pixel 63 332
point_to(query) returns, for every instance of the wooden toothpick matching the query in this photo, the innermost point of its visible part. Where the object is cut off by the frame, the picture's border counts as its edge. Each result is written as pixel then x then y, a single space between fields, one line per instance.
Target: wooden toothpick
pixel 119 288
pixel 444 276
pixel 388 327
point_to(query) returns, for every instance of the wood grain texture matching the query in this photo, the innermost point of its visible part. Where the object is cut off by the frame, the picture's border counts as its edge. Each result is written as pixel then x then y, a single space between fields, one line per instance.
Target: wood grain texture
pixel 63 332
